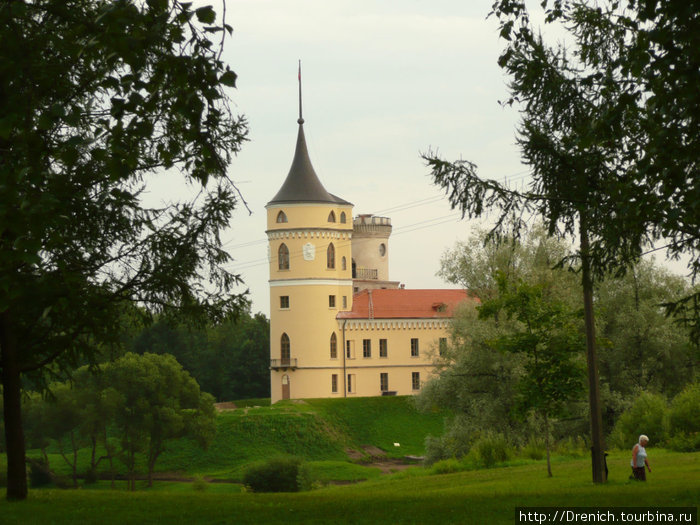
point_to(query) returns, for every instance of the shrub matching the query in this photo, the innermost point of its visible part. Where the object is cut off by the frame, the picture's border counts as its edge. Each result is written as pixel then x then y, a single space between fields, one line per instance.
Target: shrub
pixel 572 446
pixel 200 484
pixel 306 480
pixel 684 420
pixel 3 478
pixel 63 482
pixel 645 416
pixel 39 474
pixel 91 476
pixel 491 448
pixel 274 475
pixel 447 466
pixel 534 448
pixel 434 451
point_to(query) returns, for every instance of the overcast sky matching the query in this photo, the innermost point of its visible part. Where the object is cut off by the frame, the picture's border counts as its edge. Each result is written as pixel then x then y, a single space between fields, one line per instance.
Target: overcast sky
pixel 383 81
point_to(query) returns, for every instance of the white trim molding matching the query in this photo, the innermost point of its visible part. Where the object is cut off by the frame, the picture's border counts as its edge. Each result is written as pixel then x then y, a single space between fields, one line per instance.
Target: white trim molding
pixel 311 282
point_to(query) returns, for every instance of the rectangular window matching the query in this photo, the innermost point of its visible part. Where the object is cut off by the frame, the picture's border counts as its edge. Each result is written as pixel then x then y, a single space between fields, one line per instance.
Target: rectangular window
pixel 351 383
pixel 384 382
pixel 414 347
pixel 284 301
pixel 345 301
pixel 415 380
pixel 331 301
pixel 334 383
pixel 366 348
pixel 383 348
pixel 350 349
pixel 443 345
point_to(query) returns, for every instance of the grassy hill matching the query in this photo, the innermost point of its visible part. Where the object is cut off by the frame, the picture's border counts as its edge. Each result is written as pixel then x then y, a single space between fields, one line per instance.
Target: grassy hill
pixel 315 429
pixel 318 430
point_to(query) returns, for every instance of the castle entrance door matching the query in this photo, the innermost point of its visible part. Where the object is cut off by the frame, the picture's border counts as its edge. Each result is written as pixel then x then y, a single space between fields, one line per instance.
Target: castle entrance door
pixel 285 386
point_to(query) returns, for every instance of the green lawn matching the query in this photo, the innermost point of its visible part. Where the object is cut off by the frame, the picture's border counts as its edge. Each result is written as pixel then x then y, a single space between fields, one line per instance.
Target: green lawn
pixel 413 496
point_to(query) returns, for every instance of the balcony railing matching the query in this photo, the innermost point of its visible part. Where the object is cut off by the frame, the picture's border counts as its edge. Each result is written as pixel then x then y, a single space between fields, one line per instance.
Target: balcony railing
pixel 283 364
pixel 366 273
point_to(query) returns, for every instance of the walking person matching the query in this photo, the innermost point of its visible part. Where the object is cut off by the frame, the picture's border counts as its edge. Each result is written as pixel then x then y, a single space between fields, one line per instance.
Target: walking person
pixel 639 459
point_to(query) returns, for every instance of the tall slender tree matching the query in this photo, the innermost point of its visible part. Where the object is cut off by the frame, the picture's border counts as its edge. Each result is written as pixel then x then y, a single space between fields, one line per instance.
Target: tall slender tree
pixel 593 134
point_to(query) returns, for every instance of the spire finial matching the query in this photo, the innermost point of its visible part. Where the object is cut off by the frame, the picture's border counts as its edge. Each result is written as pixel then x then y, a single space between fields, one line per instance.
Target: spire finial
pixel 301 119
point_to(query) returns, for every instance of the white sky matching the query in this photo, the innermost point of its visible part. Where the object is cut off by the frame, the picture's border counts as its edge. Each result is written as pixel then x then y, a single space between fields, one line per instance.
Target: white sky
pixel 383 81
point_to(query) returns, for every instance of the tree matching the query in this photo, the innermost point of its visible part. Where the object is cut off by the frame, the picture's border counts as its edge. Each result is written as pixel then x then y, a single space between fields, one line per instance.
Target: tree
pixel 96 96
pixel 158 401
pixel 230 360
pixel 643 350
pixel 594 136
pixel 480 381
pixel 549 338
pixel 640 346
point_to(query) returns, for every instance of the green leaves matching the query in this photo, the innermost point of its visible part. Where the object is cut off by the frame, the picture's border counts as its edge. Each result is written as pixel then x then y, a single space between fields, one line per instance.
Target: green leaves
pixel 206 15
pixel 228 79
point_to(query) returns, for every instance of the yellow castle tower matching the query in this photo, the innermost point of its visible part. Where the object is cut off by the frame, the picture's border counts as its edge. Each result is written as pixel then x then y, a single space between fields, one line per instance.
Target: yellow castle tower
pixel 309 233
pixel 339 327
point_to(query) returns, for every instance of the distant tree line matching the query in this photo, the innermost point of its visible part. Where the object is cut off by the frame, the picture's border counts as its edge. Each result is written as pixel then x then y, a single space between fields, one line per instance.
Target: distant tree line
pixel 229 360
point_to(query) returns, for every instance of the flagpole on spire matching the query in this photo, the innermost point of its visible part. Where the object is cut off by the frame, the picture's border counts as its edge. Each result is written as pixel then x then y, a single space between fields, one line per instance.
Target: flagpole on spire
pixel 301 119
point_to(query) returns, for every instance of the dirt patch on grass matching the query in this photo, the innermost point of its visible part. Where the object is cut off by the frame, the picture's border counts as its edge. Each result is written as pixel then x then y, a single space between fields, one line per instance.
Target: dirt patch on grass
pixel 227 405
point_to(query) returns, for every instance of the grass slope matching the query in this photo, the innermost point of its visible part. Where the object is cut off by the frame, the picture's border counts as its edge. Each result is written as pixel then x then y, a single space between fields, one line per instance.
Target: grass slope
pixel 315 430
pixel 484 496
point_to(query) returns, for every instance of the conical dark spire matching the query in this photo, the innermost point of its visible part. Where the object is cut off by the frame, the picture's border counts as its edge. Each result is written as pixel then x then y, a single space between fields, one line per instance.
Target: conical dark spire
pixel 302 184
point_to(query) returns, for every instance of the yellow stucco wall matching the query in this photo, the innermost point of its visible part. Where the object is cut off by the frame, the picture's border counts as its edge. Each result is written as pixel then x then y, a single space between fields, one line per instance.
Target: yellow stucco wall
pixel 399 365
pixel 309 320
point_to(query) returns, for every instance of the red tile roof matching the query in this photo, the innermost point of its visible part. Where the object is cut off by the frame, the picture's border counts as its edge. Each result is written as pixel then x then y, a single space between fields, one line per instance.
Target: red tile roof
pixel 405 304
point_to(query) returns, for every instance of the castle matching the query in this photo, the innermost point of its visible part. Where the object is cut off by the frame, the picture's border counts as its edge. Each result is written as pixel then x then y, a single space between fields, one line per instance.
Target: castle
pixel 339 327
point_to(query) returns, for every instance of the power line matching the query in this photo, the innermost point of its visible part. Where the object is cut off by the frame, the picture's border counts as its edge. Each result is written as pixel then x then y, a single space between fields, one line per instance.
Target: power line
pixel 398 208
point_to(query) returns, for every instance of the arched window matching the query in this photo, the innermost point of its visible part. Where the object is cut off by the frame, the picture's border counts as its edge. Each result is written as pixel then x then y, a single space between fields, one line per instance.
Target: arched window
pixel 343 264
pixel 330 257
pixel 281 217
pixel 285 349
pixel 331 217
pixel 342 217
pixel 283 257
pixel 334 346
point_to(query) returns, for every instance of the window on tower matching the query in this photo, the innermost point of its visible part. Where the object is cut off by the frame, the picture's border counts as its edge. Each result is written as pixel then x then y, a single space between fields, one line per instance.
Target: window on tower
pixel 284 302
pixel 343 263
pixel 281 217
pixel 285 349
pixel 342 217
pixel 283 257
pixel 331 217
pixel 330 257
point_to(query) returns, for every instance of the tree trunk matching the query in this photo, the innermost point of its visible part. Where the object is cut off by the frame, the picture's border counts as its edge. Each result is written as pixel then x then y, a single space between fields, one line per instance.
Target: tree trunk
pixel 153 457
pixel 546 445
pixel 12 411
pixel 598 448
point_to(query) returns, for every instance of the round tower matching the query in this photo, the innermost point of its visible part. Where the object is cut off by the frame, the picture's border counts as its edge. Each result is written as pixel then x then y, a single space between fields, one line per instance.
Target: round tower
pixel 309 233
pixel 370 253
